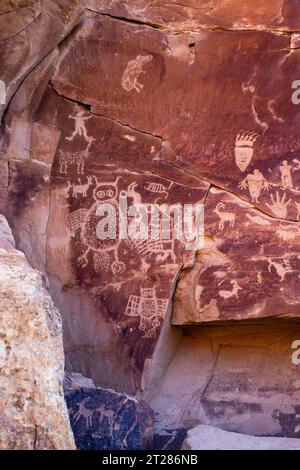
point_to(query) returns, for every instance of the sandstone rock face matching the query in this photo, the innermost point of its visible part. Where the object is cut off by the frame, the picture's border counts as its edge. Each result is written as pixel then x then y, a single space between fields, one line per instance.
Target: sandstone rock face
pixel 160 103
pixel 32 409
pixel 103 419
pixel 210 438
pixel 248 267
pixel 196 14
pixel 240 377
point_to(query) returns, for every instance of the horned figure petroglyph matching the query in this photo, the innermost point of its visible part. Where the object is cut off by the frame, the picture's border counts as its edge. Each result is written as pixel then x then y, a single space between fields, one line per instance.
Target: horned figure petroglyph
pixel 279 206
pixel 84 412
pixel 86 221
pixel 134 69
pixel 224 216
pixel 78 159
pixel 100 251
pixel 244 148
pixel 282 269
pixel 255 182
pixel 149 308
pixel 81 189
pixel 106 413
pixel 226 294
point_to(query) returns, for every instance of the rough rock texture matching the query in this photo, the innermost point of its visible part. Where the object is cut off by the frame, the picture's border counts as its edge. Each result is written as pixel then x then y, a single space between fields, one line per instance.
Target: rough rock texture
pixel 33 412
pixel 102 419
pixel 246 269
pixel 159 102
pixel 240 377
pixel 210 438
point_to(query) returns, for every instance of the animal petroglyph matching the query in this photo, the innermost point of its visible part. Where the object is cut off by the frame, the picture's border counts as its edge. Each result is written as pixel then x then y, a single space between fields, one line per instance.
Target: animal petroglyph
pixel 84 412
pixel 286 175
pixel 106 413
pixel 130 77
pixel 81 189
pixel 80 125
pixel 149 308
pixel 158 188
pixel 278 206
pixel 282 269
pixel 244 149
pixel 226 294
pixel 255 182
pixel 224 216
pixel 131 192
pixel 77 159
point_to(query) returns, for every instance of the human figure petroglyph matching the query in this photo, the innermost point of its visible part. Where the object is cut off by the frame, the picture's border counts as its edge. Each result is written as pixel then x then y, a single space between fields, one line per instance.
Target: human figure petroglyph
pixel 84 412
pixel 80 125
pixel 244 148
pixel 77 159
pixel 282 269
pixel 149 308
pixel 130 77
pixel 255 182
pixel 286 175
pixel 224 216
pixel 279 206
pixel 226 294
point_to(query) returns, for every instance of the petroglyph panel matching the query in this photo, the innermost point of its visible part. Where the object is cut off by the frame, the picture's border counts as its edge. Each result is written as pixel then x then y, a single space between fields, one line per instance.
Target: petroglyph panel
pixel 128 279
pixel 232 128
pixel 248 268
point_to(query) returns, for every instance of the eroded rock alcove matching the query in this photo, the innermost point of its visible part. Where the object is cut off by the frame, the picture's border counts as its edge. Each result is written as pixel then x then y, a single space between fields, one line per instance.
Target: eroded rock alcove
pixel 163 103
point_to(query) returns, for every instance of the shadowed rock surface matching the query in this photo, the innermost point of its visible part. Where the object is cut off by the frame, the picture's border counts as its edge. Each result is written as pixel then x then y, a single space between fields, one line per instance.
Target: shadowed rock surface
pixel 103 419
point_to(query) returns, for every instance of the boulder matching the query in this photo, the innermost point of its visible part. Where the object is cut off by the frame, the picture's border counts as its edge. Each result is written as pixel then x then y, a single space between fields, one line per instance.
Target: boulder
pixel 205 437
pixel 102 419
pixel 33 412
